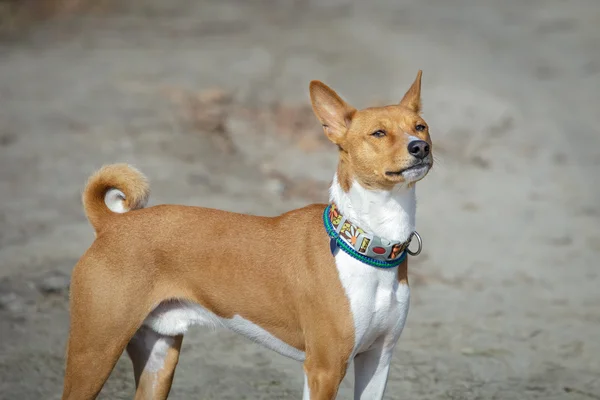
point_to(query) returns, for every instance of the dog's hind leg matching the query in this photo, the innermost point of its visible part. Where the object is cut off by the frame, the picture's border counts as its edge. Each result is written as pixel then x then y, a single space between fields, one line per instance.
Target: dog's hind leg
pixel 102 323
pixel 154 358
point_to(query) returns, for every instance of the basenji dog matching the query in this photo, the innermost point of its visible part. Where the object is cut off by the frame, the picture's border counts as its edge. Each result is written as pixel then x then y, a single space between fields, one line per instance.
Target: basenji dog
pixel 325 284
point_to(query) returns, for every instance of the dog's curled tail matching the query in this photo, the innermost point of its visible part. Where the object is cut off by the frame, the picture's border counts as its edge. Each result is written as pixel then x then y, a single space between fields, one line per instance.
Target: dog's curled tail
pixel 115 188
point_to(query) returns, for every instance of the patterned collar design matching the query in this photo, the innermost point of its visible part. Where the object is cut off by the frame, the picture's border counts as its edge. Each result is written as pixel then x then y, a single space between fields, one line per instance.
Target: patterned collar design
pixel 368 248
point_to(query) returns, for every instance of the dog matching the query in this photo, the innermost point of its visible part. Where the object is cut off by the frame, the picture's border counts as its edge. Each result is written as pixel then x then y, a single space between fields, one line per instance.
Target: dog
pixel 325 284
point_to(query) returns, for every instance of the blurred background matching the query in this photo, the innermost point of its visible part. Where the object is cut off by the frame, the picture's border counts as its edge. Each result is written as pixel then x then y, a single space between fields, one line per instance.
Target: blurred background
pixel 210 100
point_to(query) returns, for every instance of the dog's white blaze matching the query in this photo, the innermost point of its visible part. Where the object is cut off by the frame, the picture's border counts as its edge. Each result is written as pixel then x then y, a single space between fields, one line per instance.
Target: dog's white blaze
pixel 175 317
pixel 115 201
pixel 378 301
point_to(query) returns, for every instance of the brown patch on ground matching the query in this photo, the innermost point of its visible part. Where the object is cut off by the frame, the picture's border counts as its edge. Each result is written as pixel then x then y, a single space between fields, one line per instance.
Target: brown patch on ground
pixel 470 206
pixel 299 124
pixel 418 278
pixel 480 162
pixel 295 123
pixel 16 16
pixel 209 111
pixel 304 188
pixel 205 112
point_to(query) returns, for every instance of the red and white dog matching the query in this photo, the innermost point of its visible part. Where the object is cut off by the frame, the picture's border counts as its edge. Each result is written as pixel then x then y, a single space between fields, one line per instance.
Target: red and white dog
pixel 324 284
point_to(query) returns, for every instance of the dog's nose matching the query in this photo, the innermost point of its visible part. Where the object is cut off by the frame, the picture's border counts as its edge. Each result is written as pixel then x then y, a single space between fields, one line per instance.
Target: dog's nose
pixel 419 148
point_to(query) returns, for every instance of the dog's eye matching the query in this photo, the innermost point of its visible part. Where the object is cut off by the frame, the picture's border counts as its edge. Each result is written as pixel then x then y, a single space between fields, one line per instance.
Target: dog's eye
pixel 420 127
pixel 378 133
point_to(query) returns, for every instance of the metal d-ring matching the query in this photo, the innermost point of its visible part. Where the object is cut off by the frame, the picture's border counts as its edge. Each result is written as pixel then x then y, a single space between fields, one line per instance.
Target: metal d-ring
pixel 416 253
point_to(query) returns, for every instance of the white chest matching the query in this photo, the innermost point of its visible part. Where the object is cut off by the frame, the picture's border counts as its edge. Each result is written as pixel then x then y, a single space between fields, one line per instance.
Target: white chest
pixel 378 302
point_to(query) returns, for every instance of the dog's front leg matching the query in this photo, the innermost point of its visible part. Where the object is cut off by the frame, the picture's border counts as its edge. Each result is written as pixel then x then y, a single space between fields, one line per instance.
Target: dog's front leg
pixel 371 370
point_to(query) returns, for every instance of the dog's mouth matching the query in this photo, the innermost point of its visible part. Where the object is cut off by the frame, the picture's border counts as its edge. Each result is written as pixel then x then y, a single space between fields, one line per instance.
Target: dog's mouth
pixel 416 169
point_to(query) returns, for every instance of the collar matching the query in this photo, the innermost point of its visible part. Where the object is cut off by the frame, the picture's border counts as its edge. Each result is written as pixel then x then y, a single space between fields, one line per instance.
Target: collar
pixel 368 248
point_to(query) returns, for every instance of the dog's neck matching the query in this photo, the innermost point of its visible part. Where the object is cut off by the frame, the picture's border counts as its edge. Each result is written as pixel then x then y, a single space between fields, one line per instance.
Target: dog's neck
pixel 389 214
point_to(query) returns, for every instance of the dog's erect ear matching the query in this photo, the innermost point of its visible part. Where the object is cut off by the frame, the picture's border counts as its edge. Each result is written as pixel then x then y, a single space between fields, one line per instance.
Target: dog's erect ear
pixel 412 98
pixel 333 112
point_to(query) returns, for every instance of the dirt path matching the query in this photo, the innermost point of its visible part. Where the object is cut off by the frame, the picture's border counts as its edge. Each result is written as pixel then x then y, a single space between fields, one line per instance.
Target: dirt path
pixel 505 298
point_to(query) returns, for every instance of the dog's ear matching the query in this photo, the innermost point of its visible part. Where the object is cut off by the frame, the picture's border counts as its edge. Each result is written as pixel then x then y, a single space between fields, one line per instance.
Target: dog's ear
pixel 412 98
pixel 334 113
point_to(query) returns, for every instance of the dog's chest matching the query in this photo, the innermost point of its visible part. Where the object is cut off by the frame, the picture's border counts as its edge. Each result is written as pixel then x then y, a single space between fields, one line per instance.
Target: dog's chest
pixel 378 302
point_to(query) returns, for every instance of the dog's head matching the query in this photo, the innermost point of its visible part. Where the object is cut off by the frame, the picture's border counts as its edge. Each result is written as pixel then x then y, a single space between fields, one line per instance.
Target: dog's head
pixel 380 146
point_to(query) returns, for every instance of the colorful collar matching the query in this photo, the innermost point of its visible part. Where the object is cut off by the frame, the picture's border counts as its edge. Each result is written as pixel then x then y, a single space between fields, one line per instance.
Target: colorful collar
pixel 368 248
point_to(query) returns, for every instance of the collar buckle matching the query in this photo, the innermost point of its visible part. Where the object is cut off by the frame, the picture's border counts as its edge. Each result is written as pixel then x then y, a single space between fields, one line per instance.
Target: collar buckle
pixel 408 250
